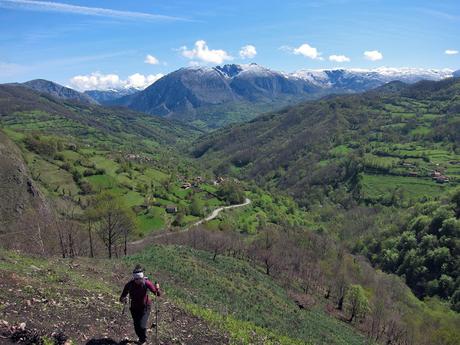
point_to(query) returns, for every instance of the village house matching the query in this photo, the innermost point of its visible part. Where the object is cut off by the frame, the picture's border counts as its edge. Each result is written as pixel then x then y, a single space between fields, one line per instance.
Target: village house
pixel 439 177
pixel 171 209
pixel 186 185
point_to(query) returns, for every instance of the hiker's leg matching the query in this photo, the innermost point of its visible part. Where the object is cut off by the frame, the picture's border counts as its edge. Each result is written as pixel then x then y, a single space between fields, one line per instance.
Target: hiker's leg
pixel 143 323
pixel 137 322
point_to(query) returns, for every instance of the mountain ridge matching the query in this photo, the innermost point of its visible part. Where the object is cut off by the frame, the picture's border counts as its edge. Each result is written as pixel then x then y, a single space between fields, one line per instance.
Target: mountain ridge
pixel 190 93
pixel 58 91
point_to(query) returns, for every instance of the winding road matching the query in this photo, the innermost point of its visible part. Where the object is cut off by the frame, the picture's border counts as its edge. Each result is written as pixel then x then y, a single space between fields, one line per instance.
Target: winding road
pixel 148 239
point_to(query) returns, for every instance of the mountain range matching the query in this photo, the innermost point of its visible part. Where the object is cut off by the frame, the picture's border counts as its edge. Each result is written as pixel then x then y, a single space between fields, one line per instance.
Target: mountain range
pixel 236 92
pixel 212 97
pixel 106 96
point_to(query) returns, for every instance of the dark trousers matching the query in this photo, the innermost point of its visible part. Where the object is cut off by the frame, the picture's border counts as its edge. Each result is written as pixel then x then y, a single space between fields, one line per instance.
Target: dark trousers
pixel 140 318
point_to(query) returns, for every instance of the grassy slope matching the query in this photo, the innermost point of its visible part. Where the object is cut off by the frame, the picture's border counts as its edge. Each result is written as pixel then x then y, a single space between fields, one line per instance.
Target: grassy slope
pixel 240 298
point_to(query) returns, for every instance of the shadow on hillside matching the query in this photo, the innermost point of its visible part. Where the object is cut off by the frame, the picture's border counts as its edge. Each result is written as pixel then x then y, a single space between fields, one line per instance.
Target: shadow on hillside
pixel 108 341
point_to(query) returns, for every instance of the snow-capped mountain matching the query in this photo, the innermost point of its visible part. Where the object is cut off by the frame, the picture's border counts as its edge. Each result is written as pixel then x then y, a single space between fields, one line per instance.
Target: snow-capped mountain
pixel 106 96
pixel 189 89
pixel 357 80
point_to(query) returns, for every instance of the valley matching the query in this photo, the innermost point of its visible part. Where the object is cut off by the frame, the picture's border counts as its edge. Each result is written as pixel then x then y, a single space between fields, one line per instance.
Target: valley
pixel 345 192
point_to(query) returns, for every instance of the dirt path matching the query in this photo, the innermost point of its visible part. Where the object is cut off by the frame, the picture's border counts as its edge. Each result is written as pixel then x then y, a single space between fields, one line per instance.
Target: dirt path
pixel 139 244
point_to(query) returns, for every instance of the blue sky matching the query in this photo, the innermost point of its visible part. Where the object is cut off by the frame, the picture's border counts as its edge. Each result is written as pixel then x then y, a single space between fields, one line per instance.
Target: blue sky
pixel 100 41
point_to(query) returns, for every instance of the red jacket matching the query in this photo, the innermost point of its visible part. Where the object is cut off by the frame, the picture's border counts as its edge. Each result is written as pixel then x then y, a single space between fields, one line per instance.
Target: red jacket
pixel 138 293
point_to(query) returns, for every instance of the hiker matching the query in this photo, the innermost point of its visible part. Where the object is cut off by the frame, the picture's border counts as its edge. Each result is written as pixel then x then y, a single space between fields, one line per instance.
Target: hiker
pixel 140 307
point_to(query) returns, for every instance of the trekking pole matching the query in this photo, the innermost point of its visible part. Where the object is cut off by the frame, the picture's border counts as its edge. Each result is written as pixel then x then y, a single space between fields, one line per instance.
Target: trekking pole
pixel 156 320
pixel 123 312
pixel 157 311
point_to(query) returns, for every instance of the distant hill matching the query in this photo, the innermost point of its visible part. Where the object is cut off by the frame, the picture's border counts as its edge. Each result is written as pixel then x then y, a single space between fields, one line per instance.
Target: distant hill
pixel 215 96
pixel 84 118
pixel 58 91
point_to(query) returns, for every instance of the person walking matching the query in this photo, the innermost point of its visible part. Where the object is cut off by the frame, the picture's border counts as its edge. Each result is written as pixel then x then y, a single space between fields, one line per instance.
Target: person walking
pixel 140 307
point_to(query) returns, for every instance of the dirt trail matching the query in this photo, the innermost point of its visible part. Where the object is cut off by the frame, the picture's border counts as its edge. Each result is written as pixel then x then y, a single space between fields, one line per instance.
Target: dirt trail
pixel 41 302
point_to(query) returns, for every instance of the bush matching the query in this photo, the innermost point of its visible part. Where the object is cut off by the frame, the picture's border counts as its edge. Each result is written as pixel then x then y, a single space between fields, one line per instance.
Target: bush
pixel 76 175
pixel 59 157
pixel 45 147
pixel 66 166
pixel 85 187
pixel 89 172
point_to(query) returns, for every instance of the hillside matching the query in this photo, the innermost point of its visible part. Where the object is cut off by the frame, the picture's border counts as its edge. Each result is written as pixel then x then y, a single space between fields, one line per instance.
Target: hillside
pixel 20 196
pixel 396 136
pixel 377 171
pixel 231 303
pixel 20 105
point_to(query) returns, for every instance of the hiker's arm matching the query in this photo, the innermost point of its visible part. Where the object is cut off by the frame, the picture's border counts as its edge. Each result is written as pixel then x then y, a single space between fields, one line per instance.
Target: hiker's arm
pixel 124 293
pixel 155 288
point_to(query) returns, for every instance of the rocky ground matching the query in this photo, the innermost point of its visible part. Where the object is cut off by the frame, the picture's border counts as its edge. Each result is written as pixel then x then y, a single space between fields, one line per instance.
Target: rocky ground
pixel 75 302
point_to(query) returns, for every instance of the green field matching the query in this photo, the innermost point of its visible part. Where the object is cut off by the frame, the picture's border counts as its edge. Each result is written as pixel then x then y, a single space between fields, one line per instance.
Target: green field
pixel 377 187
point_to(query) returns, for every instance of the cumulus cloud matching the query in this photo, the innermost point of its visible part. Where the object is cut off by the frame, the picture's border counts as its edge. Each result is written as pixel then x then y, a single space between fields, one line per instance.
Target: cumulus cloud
pixel 99 81
pixel 308 51
pixel 451 52
pixel 339 58
pixel 248 52
pixel 202 53
pixel 151 60
pixel 373 55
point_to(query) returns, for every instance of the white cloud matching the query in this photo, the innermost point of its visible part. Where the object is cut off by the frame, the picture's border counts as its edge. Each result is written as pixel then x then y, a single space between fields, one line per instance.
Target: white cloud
pixel 151 60
pixel 140 81
pixel 99 81
pixel 451 52
pixel 248 52
pixel 203 53
pixel 308 51
pixel 339 58
pixel 373 55
pixel 48 6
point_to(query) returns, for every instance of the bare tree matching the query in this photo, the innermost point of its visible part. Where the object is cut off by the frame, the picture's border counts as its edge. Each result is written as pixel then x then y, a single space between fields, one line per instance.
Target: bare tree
pixel 115 222
pixel 263 249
